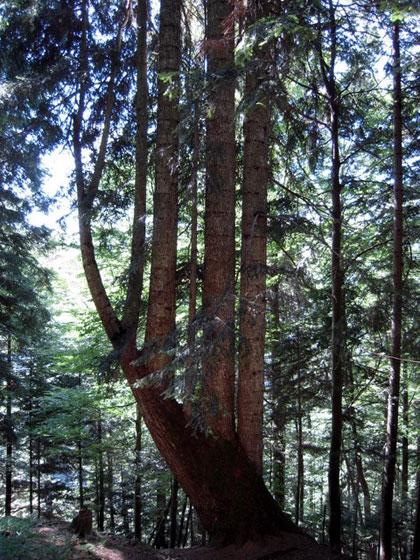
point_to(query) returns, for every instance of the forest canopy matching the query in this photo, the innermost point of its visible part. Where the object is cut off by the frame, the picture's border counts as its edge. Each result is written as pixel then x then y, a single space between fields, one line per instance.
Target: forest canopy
pixel 208 331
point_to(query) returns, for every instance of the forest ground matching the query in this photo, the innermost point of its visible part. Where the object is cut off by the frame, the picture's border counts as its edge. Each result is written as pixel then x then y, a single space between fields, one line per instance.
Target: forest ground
pixel 29 539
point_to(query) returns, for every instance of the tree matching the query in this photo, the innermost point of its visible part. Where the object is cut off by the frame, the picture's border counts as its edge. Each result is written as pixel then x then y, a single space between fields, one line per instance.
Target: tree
pixel 394 378
pixel 253 249
pixel 219 226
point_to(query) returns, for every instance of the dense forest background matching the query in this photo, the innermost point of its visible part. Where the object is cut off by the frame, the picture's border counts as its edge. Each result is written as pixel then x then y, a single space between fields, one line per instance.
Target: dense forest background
pixel 268 153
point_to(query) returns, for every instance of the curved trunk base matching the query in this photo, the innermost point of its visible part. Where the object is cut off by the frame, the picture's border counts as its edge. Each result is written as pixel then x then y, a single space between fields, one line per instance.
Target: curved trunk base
pixel 229 496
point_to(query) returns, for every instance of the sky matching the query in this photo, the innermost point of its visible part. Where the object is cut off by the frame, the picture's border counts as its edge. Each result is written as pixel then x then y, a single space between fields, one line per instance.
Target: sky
pixel 58 166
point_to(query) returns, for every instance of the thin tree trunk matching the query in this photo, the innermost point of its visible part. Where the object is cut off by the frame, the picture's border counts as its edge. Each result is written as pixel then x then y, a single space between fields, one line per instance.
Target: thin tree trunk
pixel 254 253
pixel 404 469
pixel 181 524
pixel 31 475
pixel 137 483
pixel 161 515
pixel 80 473
pixel 111 491
pixel 187 526
pixel 219 233
pixel 38 477
pixel 299 503
pixel 31 444
pixel 337 281
pixel 173 513
pixel 385 544
pixel 101 483
pixel 192 299
pixel 136 271
pixel 415 552
pixel 279 417
pixel 9 432
pixel 124 508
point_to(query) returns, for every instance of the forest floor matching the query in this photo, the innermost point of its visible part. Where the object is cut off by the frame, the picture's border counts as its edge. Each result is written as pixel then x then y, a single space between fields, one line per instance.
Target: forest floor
pixel 29 539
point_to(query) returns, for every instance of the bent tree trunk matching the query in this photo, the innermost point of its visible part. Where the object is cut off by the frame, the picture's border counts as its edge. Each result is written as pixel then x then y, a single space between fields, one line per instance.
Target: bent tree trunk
pixel 230 497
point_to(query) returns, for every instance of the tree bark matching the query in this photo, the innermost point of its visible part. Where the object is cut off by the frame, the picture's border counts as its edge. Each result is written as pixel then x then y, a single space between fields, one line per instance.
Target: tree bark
pixel 337 281
pixel 160 327
pixel 299 496
pixel 9 431
pixel 137 483
pixel 110 477
pixel 279 415
pixel 38 477
pixel 219 232
pixel 254 252
pixel 101 483
pixel 385 544
pixel 136 270
pixel 415 552
pixel 404 469
pixel 190 381
pixel 80 473
pixel 173 514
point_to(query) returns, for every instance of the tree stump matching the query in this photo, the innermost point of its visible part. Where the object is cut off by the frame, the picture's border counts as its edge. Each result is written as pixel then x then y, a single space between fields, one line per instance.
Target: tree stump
pixel 82 523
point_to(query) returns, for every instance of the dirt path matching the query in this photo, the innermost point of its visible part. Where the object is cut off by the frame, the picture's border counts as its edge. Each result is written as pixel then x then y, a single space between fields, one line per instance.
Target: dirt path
pixel 51 540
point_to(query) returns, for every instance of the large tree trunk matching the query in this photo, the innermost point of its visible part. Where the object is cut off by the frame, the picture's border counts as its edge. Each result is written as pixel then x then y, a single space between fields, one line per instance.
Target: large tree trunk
pixel 254 254
pixel 160 327
pixel 394 378
pixel 229 496
pixel 219 234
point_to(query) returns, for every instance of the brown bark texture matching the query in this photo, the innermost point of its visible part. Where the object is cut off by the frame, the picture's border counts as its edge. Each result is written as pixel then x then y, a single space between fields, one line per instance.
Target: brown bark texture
pixel 385 544
pixel 219 234
pixel 254 251
pixel 160 326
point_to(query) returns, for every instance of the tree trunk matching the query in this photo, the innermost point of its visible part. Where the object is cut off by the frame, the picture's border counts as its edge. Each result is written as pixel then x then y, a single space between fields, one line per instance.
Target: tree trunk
pixel 160 327
pixel 135 278
pixel 190 381
pixel 161 515
pixel 38 477
pixel 279 416
pixel 219 233
pixel 337 281
pixel 385 544
pixel 415 552
pixel 173 513
pixel 31 444
pixel 124 507
pixel 137 483
pixel 101 484
pixel 215 473
pixel 9 431
pixel 110 476
pixel 80 473
pixel 299 503
pixel 181 524
pixel 404 469
pixel 254 253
